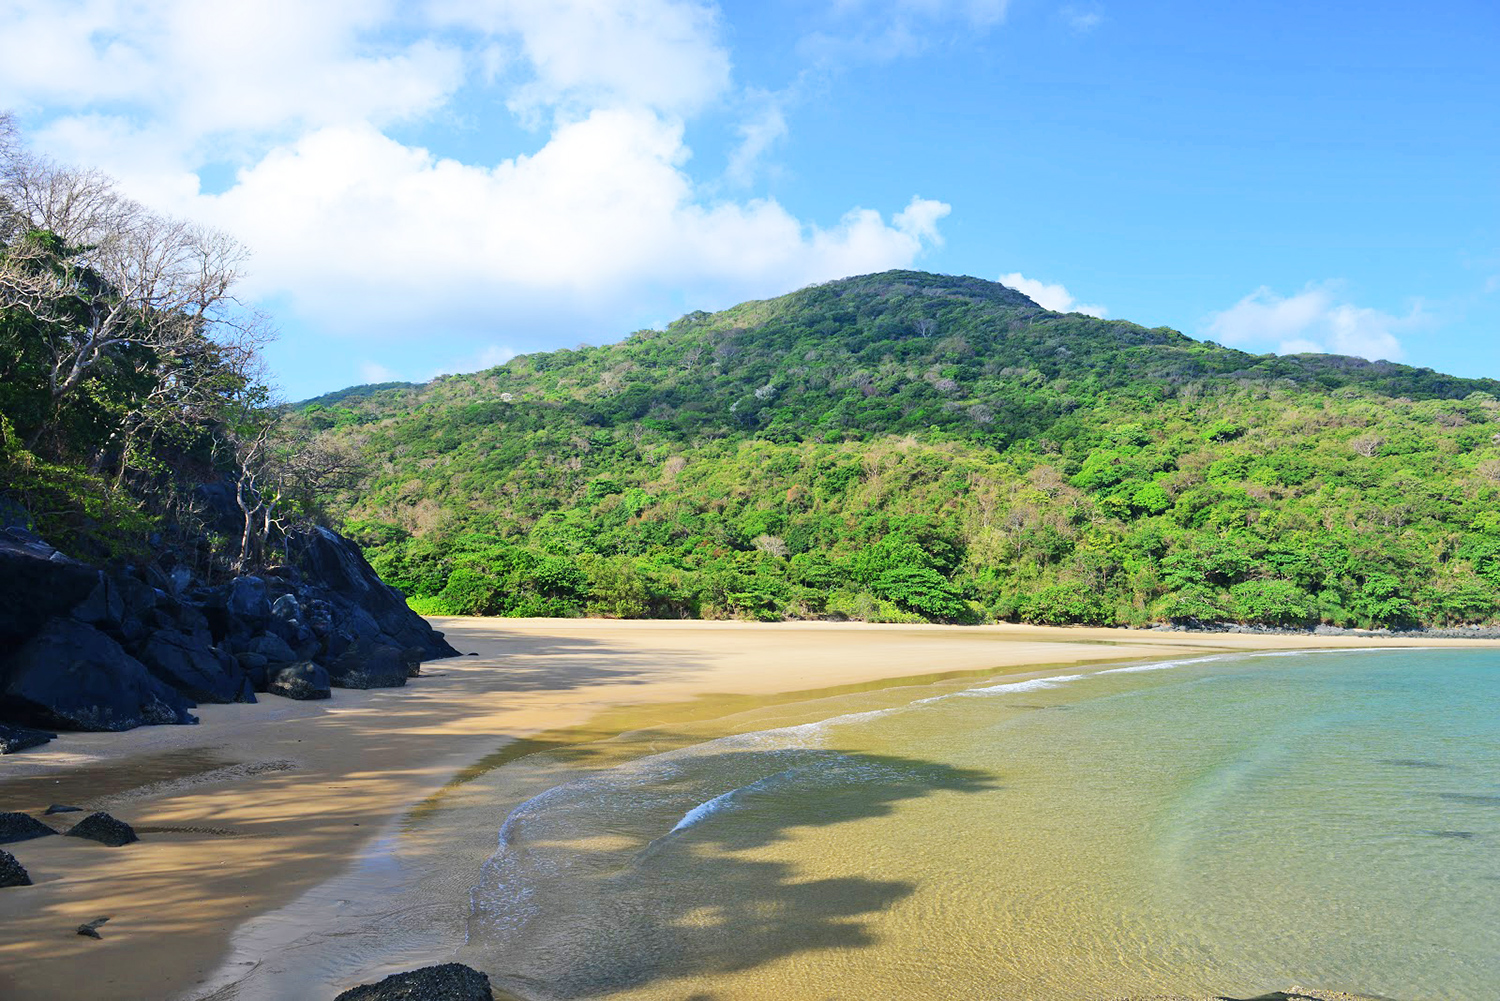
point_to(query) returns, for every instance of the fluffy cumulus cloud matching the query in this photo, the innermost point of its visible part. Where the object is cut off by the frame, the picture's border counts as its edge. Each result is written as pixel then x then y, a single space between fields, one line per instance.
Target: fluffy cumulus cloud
pixel 1053 297
pixel 1314 320
pixel 294 111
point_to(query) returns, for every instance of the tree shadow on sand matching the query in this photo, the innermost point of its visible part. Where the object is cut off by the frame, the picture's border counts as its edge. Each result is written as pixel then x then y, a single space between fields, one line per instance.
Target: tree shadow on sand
pixel 587 899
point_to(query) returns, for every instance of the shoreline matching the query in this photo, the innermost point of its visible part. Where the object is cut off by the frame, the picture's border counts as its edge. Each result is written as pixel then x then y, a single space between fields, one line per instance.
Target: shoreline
pixel 260 804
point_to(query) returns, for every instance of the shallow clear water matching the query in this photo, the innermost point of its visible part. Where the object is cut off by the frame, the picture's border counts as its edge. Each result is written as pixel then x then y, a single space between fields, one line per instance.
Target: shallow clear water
pixel 1231 824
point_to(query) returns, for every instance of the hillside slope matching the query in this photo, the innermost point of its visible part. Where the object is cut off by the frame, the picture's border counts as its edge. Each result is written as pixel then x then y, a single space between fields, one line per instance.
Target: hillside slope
pixel 904 446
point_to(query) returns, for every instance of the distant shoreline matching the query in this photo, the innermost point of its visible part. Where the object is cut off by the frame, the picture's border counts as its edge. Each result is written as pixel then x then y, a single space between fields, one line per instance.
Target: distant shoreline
pixel 242 814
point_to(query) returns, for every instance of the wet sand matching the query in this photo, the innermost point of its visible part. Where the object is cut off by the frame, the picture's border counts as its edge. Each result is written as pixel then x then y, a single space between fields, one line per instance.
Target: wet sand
pixel 259 804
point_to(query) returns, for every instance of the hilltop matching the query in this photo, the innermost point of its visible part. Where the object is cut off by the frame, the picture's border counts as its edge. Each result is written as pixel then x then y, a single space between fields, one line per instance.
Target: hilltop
pixel 906 446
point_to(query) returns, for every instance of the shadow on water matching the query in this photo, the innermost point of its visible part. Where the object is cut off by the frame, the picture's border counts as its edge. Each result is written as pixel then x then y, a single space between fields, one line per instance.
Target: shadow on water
pixel 587 904
pixel 595 743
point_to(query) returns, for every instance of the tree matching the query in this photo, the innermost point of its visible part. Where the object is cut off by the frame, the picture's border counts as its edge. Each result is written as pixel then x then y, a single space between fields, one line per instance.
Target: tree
pixel 102 274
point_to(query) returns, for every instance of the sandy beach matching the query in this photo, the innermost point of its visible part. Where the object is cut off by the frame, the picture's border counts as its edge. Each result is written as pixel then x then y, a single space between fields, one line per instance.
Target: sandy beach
pixel 259 804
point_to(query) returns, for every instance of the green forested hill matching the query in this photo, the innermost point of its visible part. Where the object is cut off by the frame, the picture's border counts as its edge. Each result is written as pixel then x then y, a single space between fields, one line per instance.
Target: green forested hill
pixel 907 446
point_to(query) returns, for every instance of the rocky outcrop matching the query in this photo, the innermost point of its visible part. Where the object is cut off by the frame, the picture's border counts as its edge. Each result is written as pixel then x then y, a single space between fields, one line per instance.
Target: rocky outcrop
pixel 12 873
pixel 88 649
pixel 19 738
pixel 21 827
pixel 71 676
pixel 448 982
pixel 103 828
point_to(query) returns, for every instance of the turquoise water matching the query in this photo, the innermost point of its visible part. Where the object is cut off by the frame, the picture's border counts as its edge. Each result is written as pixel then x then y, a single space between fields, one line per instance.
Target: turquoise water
pixel 1229 824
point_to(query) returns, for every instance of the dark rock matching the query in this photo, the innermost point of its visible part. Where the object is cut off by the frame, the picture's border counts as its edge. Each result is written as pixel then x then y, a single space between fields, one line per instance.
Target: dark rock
pixel 19 738
pixel 299 681
pixel 413 658
pixel 60 808
pixel 12 873
pixel 369 664
pixel 105 605
pixel 73 677
pixel 103 828
pixel 194 668
pixel 90 929
pixel 36 583
pixel 273 648
pixel 21 827
pixel 286 608
pixel 448 982
pixel 247 600
pixel 337 565
pixel 139 597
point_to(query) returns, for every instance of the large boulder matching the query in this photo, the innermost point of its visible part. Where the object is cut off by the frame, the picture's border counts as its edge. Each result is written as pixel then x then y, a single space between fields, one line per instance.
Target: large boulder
pixel 448 982
pixel 332 562
pixel 106 830
pixel 21 827
pixel 248 602
pixel 273 648
pixel 193 667
pixel 299 681
pixel 369 664
pixel 36 583
pixel 19 738
pixel 12 873
pixel 73 677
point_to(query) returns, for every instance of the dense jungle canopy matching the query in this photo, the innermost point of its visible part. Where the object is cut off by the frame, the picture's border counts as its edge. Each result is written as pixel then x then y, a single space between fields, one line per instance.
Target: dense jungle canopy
pixel 916 447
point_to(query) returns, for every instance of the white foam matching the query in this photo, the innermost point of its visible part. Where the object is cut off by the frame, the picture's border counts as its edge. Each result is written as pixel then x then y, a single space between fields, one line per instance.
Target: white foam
pixel 703 811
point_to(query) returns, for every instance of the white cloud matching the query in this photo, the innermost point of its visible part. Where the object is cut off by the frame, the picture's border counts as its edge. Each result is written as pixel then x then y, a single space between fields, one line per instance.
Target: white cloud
pixel 1082 19
pixel 486 357
pixel 1312 321
pixel 878 30
pixel 261 67
pixel 359 231
pixel 758 133
pixel 661 54
pixel 371 371
pixel 1053 297
pixel 596 223
pixel 981 13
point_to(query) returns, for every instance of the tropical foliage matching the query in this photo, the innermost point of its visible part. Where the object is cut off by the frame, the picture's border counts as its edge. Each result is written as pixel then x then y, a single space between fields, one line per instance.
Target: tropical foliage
pixel 913 447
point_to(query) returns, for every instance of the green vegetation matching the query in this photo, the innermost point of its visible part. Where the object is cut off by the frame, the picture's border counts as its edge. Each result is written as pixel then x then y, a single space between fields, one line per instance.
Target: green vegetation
pixel 127 380
pixel 913 447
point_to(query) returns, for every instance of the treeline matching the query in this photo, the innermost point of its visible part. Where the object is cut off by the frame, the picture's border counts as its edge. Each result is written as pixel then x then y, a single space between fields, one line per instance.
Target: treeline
pixel 908 447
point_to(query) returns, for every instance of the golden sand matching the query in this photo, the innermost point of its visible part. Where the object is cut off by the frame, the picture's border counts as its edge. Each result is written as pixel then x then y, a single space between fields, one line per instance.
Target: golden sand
pixel 244 813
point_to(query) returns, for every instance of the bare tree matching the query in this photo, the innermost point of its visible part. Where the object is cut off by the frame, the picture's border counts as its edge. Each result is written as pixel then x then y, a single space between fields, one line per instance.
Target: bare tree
pixel 104 274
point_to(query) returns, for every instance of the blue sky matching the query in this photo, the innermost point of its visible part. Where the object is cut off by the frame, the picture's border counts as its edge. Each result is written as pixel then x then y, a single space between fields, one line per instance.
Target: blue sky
pixel 435 186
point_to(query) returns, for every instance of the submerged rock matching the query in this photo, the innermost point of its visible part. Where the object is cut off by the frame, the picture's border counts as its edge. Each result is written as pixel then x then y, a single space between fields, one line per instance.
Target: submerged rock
pixel 21 827
pixel 12 873
pixel 103 828
pixel 448 982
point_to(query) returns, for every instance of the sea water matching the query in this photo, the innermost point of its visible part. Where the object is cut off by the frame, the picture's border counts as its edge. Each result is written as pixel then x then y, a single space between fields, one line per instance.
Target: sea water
pixel 1231 824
